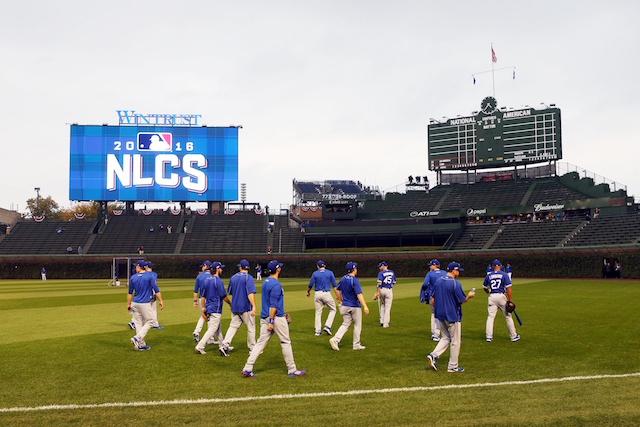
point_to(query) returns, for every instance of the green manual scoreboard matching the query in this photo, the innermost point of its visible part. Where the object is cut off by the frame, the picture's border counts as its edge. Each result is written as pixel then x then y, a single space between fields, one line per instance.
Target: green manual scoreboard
pixel 495 138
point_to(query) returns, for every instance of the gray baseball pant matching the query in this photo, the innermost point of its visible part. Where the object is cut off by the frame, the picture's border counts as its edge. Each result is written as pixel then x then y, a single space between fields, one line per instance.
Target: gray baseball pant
pixel 451 336
pixel 350 315
pixel 213 328
pixel 499 301
pixel 322 298
pixel 238 319
pixel 281 329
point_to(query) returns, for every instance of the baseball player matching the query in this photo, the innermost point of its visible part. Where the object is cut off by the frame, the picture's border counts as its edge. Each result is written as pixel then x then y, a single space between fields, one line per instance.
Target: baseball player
pixel 259 272
pixel 141 288
pixel 430 280
pixel 350 299
pixel 498 286
pixel 272 320
pixel 508 270
pixel 447 298
pixel 242 288
pixel 149 269
pixel 384 291
pixel 323 280
pixel 205 273
pixel 43 273
pixel 212 295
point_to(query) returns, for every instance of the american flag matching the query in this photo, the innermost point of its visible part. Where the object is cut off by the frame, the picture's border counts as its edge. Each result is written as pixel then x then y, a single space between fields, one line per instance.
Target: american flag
pixel 494 58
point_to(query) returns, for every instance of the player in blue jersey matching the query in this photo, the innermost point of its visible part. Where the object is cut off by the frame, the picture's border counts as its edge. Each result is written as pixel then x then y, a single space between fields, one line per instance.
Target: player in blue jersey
pixel 323 280
pixel 498 286
pixel 349 296
pixel 242 289
pixel 272 320
pixel 489 269
pixel 447 298
pixel 205 273
pixel 142 287
pixel 149 269
pixel 212 297
pixel 384 291
pixel 430 280
pixel 508 270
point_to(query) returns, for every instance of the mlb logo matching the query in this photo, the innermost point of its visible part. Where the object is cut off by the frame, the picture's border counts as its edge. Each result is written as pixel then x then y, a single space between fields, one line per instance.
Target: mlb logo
pixel 150 141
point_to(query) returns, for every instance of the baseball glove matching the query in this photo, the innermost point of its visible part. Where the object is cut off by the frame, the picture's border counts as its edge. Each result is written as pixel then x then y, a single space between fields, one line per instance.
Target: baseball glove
pixel 287 317
pixel 510 306
pixel 152 298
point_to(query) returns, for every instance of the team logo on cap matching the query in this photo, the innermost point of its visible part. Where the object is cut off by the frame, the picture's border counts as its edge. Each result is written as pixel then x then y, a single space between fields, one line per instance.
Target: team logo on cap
pixel 153 141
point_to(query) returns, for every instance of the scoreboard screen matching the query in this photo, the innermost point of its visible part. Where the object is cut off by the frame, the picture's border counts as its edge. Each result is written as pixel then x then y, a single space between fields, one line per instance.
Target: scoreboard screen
pixel 494 138
pixel 153 163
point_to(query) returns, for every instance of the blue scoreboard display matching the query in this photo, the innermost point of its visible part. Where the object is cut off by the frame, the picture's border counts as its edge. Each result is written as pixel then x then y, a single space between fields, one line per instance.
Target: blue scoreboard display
pixel 153 163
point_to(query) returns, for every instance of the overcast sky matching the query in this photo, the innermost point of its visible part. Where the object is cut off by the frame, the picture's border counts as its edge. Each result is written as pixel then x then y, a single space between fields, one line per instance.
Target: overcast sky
pixel 323 89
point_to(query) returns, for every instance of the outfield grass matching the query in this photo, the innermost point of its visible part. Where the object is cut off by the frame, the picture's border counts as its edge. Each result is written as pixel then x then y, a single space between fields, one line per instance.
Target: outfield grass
pixel 67 342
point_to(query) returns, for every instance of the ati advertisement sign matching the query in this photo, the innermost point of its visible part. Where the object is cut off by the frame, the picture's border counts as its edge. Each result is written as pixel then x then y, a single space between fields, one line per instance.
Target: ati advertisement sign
pixel 153 163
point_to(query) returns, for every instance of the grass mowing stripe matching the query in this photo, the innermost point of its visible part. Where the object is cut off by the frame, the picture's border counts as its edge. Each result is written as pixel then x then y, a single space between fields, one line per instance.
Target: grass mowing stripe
pixel 315 395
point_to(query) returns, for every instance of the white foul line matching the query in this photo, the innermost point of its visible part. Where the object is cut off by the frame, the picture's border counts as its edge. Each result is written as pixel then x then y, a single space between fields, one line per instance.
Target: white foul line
pixel 307 395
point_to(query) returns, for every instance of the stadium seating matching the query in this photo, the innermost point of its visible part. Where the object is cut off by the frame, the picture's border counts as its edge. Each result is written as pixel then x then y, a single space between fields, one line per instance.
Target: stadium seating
pixel 43 238
pixel 216 234
pixel 483 194
pixel 124 234
pixel 614 230
pixel 481 235
pixel 551 190
pixel 539 234
pixel 286 239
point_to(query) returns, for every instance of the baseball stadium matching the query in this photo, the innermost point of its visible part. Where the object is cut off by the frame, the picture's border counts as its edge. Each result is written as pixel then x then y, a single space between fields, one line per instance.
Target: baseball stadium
pixel 498 194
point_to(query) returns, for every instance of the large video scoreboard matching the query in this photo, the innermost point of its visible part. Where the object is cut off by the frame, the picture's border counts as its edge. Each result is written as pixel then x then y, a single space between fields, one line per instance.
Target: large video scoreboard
pixel 495 138
pixel 153 163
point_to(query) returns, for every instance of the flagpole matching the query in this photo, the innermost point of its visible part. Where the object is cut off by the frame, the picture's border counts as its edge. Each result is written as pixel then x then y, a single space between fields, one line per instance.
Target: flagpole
pixel 493 75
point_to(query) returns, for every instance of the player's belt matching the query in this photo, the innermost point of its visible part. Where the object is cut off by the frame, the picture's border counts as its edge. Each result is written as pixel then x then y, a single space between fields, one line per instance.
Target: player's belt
pixel 322 291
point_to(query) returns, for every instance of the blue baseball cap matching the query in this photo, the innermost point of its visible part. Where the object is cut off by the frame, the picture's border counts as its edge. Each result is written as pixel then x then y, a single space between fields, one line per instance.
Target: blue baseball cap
pixel 454 266
pixel 495 262
pixel 351 265
pixel 434 262
pixel 243 264
pixel 207 263
pixel 274 265
pixel 149 264
pixel 142 263
pixel 321 263
pixel 383 264
pixel 216 265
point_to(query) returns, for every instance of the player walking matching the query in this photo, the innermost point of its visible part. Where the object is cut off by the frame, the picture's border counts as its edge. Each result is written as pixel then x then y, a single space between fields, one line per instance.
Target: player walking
pixel 242 288
pixel 272 320
pixel 149 269
pixel 349 296
pixel 141 288
pixel 384 291
pixel 43 273
pixel 430 280
pixel 323 280
pixel 205 273
pixel 498 286
pixel 212 297
pixel 447 298
pixel 258 272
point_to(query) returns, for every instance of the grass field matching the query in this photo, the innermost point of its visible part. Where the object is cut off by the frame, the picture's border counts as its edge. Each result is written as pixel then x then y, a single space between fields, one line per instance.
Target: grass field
pixel 67 343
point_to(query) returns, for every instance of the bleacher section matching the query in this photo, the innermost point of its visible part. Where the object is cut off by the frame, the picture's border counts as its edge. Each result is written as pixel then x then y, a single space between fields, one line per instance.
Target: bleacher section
pixel 540 234
pixel 124 234
pixel 481 235
pixel 499 193
pixel 43 238
pixel 285 239
pixel 550 191
pixel 345 187
pixel 216 234
pixel 615 230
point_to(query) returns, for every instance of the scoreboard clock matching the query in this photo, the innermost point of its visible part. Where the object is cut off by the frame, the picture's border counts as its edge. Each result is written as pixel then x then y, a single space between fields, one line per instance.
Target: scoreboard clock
pixel 495 138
